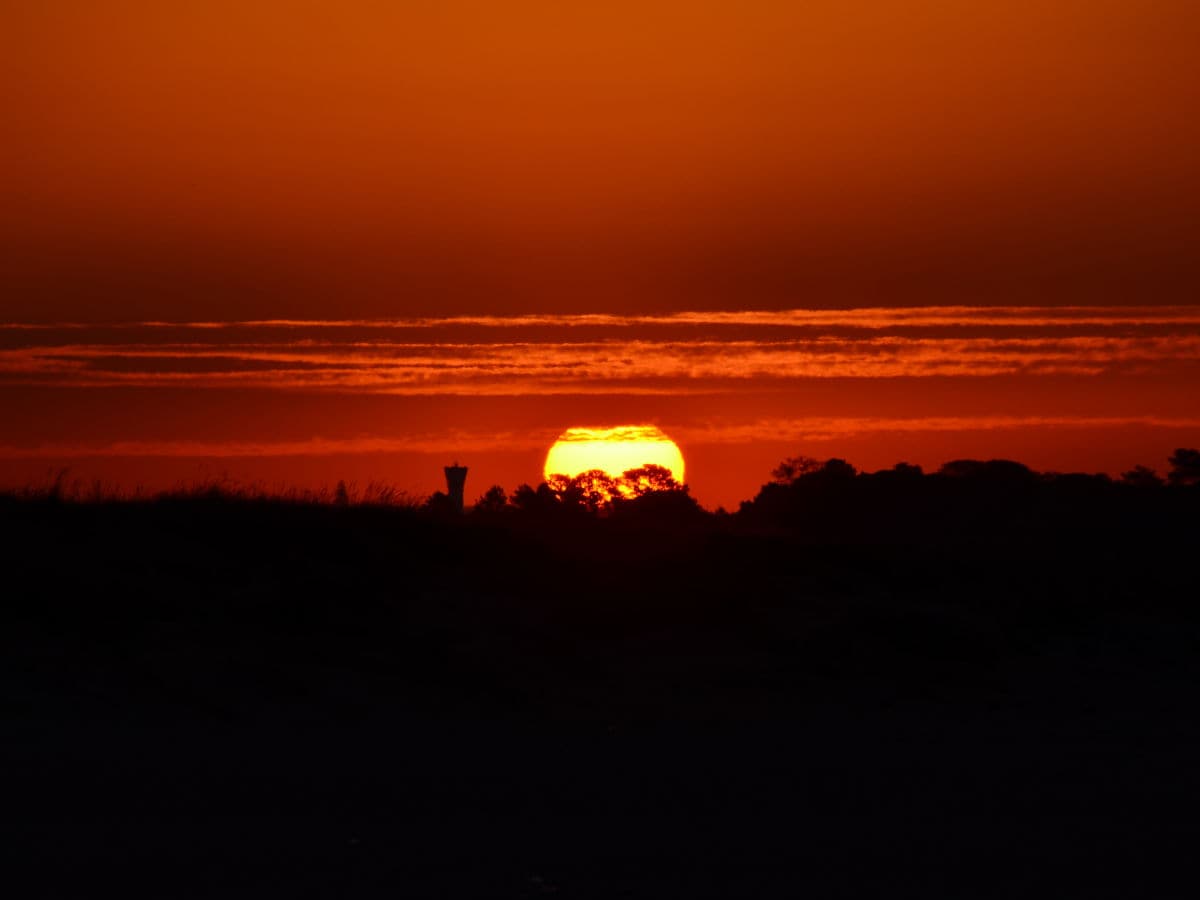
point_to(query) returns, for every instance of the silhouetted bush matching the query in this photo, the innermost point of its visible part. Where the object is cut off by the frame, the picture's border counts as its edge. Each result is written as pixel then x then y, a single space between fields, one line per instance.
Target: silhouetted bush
pixel 1142 477
pixel 992 472
pixel 492 502
pixel 1185 468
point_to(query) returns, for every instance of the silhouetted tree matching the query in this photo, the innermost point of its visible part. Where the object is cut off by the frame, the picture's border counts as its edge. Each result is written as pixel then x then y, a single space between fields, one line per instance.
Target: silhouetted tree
pixel 1185 467
pixel 829 473
pixel 341 496
pixel 534 500
pixel 667 506
pixel 802 488
pixel 566 491
pixel 899 474
pixel 992 471
pixel 594 488
pixel 524 497
pixel 1077 485
pixel 651 494
pixel 793 468
pixel 647 479
pixel 836 470
pixel 595 491
pixel 439 504
pixel 1141 477
pixel 494 500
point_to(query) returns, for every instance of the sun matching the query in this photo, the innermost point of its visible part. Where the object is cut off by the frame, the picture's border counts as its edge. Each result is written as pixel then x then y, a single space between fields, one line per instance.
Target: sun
pixel 614 451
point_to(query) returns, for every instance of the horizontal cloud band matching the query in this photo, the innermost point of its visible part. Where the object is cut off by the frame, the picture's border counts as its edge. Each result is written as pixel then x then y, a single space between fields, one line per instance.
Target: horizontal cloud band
pixel 583 354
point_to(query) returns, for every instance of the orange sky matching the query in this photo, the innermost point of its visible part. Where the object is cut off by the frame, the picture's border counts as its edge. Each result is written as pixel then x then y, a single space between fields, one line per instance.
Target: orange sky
pixel 237 161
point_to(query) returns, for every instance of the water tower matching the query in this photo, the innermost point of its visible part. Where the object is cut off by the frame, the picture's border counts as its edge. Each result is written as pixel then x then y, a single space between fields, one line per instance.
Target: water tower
pixel 456 479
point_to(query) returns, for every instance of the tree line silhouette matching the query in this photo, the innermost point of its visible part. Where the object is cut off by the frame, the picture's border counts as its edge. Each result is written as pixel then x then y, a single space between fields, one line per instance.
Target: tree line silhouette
pixel 828 498
pixel 835 497
pixel 646 490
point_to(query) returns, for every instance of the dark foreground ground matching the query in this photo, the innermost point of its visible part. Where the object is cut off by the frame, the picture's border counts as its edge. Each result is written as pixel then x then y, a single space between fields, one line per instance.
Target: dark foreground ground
pixel 208 698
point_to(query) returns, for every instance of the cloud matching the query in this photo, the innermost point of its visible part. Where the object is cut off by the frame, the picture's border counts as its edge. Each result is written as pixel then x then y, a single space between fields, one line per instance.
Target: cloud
pixel 682 353
pixel 862 317
pixel 831 428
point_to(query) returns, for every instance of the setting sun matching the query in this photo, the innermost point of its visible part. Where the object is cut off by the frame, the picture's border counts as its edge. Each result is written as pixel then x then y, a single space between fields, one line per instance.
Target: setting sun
pixel 613 450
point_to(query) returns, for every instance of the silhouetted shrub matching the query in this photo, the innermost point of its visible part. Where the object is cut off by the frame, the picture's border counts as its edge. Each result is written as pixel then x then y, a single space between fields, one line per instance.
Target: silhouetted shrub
pixel 675 506
pixel 648 479
pixel 1000 472
pixel 793 468
pixel 440 505
pixel 1185 467
pixel 493 501
pixel 1141 477
pixel 594 489
pixel 552 498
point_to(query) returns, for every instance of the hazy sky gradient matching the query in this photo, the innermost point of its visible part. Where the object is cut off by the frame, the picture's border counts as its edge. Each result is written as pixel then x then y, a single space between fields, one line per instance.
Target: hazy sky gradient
pixel 237 160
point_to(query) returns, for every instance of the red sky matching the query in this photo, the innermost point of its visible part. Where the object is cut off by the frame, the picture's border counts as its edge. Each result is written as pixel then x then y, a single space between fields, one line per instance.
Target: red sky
pixel 233 162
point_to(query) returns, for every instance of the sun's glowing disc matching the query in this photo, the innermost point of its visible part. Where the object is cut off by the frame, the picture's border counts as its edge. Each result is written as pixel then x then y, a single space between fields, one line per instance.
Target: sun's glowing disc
pixel 613 450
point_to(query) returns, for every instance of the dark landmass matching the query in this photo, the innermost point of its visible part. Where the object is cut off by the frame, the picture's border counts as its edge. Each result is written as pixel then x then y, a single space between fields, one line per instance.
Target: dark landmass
pixel 976 683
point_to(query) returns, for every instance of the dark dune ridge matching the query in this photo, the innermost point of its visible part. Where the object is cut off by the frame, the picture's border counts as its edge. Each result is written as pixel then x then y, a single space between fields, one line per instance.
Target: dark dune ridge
pixel 979 682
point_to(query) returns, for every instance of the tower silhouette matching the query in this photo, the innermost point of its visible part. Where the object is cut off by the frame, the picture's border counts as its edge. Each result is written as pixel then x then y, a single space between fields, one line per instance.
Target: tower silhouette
pixel 456 479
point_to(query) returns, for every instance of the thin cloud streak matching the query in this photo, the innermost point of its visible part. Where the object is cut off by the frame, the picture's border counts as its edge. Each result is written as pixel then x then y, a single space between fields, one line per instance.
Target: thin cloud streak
pixel 865 317
pixel 831 428
pixel 696 356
